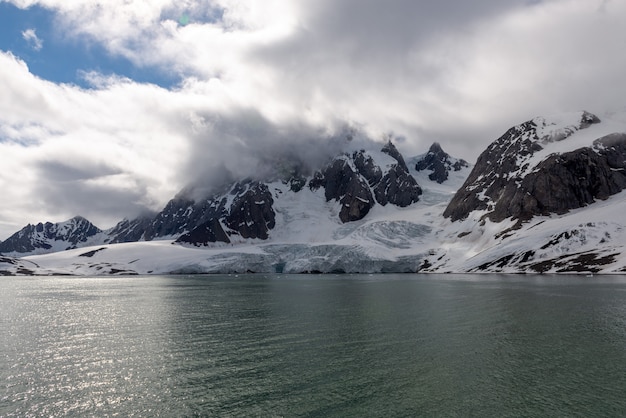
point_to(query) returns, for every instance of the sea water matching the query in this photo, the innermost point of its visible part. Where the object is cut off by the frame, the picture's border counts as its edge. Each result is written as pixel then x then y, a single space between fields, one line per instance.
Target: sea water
pixel 282 345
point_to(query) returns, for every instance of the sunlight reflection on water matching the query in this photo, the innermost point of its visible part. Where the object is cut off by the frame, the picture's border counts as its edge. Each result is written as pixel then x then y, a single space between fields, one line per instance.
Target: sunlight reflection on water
pixel 320 345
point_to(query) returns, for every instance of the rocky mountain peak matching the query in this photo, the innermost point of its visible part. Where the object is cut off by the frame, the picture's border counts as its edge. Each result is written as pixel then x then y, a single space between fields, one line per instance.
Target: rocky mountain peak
pixel 393 152
pixel 440 163
pixel 245 211
pixel 515 177
pixel 436 149
pixel 358 182
pixel 41 237
pixel 343 182
pixel 130 230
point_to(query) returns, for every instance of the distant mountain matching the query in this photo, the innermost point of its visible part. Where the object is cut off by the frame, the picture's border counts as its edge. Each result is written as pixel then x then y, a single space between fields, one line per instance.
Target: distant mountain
pixel 51 237
pixel 439 163
pixel 247 210
pixel 244 212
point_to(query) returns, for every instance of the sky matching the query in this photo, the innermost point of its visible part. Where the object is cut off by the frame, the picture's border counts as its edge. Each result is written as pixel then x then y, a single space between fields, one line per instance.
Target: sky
pixel 108 109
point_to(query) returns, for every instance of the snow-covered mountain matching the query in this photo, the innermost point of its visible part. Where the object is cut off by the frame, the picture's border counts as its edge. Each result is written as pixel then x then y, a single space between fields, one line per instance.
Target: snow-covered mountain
pixel 547 196
pixel 48 237
pixel 363 211
pixel 246 210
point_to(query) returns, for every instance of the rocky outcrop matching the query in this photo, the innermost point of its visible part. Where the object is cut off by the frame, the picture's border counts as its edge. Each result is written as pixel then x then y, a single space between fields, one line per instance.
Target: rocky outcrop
pixel 205 234
pixel 507 183
pixel 246 211
pixel 129 230
pixel 291 171
pixel 366 166
pixel 439 163
pixel 251 214
pixel 397 186
pixel 393 152
pixel 45 236
pixel 357 182
pixel 342 181
pixel 173 219
pixel 10 266
pixel 567 181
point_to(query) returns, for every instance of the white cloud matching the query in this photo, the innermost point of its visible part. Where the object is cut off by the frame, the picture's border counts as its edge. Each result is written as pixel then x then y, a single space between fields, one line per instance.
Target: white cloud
pixel 256 75
pixel 121 147
pixel 30 36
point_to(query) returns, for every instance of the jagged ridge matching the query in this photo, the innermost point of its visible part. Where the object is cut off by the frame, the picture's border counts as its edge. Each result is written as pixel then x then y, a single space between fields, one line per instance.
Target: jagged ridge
pixel 50 236
pixel 507 182
pixel 243 210
pixel 439 163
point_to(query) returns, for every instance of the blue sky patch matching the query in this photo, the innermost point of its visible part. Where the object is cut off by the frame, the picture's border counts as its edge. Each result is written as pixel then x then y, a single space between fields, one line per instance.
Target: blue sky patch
pixel 30 35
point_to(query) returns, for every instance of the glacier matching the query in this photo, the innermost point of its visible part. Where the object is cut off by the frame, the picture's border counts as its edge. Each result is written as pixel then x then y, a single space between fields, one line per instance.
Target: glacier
pixel 308 238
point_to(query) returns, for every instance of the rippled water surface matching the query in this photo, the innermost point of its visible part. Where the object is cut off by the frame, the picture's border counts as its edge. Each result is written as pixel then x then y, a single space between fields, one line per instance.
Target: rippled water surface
pixel 393 345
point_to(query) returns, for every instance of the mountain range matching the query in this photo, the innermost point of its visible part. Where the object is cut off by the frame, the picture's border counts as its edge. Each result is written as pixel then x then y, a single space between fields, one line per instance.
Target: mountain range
pixel 547 196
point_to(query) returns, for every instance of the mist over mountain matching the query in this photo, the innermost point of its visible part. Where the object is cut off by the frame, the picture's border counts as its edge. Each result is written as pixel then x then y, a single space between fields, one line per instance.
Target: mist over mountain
pixel 546 196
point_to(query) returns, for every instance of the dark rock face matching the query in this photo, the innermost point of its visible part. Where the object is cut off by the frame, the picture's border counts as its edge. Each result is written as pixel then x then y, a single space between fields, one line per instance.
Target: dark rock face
pixel 568 181
pixel 206 233
pixel 398 186
pixel 342 182
pixel 502 184
pixel 440 163
pixel 355 180
pixel 173 219
pixel 357 201
pixel 491 172
pixel 129 230
pixel 249 215
pixel 41 236
pixel 393 152
pixel 366 166
pixel 296 183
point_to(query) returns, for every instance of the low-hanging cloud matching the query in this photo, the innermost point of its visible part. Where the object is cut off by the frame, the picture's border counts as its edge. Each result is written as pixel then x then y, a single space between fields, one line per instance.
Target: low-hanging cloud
pixel 245 144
